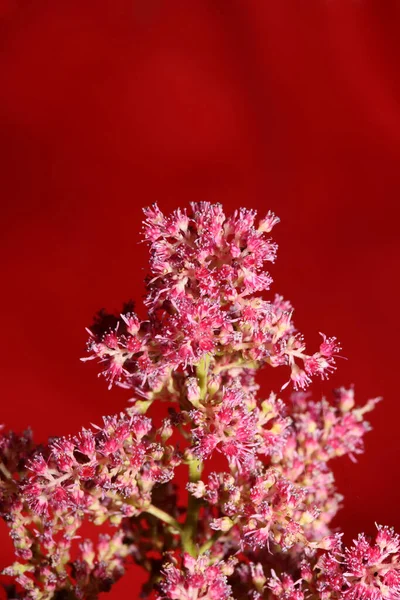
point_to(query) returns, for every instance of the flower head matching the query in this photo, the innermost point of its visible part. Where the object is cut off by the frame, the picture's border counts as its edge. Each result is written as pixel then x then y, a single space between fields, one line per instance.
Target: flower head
pixel 196 579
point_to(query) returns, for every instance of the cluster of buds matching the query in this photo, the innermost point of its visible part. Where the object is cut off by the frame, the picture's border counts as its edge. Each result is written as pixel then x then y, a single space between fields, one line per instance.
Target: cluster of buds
pixel 257 528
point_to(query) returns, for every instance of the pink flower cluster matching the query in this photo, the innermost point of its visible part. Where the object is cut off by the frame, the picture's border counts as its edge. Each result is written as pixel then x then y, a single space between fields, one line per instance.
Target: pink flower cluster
pixel 366 570
pixel 280 488
pixel 199 578
pixel 106 474
pixel 204 271
pixel 108 471
pixel 259 525
pixel 95 569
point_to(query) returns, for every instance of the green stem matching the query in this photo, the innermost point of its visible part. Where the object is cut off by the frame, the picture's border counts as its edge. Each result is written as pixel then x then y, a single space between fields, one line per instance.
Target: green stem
pixel 202 374
pixel 189 531
pixel 163 516
pixel 190 528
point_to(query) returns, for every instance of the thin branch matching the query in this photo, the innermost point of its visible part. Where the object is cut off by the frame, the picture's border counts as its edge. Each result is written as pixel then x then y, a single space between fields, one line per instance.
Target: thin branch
pixel 192 517
pixel 163 516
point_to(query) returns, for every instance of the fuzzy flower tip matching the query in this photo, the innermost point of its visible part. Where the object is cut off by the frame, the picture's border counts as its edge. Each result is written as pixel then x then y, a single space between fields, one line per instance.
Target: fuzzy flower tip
pixel 203 298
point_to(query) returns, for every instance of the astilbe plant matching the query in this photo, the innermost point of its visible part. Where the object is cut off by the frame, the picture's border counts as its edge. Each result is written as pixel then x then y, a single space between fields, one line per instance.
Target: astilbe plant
pixel 260 527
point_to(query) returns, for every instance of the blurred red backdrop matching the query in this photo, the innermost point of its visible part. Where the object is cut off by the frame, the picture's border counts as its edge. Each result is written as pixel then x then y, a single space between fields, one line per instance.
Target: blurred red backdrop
pixel 108 106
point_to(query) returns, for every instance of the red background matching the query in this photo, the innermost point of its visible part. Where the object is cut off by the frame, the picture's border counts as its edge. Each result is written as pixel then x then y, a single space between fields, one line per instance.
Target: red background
pixel 108 106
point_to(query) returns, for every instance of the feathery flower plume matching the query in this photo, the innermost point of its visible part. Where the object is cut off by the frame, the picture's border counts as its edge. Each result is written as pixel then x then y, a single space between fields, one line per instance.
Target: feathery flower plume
pixel 257 528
